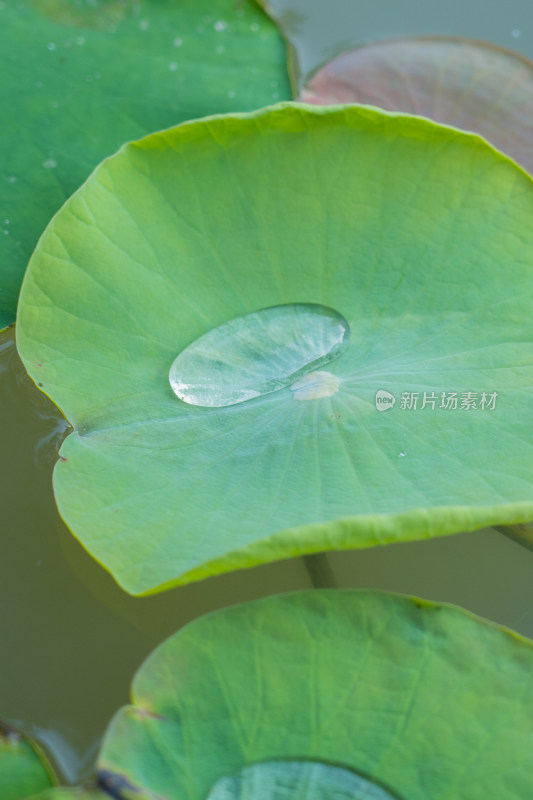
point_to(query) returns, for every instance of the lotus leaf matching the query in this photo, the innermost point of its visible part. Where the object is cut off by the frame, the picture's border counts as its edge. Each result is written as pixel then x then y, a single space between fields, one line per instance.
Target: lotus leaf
pixel 417 234
pixel 91 75
pixel 472 85
pixel 24 770
pixel 424 701
pixel 315 31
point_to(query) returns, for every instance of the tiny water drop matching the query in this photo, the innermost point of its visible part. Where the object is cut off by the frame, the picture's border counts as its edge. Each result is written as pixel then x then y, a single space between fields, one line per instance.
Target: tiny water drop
pixel 173 66
pixel 51 46
pixel 315 385
pixel 254 27
pixel 516 33
pixel 144 25
pixel 50 163
pixel 177 42
pixel 260 353
pixel 220 25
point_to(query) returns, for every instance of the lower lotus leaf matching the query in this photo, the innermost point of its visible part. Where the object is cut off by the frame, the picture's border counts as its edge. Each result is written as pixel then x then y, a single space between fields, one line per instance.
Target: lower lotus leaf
pixel 24 770
pixel 92 74
pixel 471 85
pixel 414 233
pixel 421 701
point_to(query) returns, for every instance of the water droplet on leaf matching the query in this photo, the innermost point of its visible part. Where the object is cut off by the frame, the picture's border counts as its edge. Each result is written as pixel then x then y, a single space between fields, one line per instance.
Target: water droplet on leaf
pixel 260 353
pixel 315 385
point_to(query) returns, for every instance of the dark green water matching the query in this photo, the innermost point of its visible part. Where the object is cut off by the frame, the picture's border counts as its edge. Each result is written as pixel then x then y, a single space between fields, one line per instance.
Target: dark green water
pixel 318 30
pixel 71 639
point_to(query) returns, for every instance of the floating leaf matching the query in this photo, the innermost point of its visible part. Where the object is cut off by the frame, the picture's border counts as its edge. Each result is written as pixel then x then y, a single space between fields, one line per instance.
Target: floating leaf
pixel 416 234
pixel 24 770
pixel 317 32
pixel 423 701
pixel 92 75
pixel 472 85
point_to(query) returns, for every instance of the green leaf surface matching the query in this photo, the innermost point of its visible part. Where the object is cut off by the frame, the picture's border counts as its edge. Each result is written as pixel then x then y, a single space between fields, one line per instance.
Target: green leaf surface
pixel 24 770
pixel 417 234
pixel 93 74
pixel 425 701
pixel 472 85
pixel 71 793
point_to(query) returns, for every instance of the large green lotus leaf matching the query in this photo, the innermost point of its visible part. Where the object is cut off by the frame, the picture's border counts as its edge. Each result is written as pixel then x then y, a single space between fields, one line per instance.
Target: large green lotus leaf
pixel 424 701
pixel 417 234
pixel 472 85
pixel 24 770
pixel 93 74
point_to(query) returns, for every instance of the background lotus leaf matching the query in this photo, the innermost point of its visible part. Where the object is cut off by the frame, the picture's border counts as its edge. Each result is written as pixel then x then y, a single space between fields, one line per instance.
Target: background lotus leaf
pixel 472 85
pixel 417 234
pixel 92 75
pixel 426 701
pixel 316 31
pixel 24 770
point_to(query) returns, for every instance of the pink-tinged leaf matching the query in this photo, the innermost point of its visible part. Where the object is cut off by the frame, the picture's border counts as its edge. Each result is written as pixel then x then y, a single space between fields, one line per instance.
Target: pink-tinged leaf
pixel 472 85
